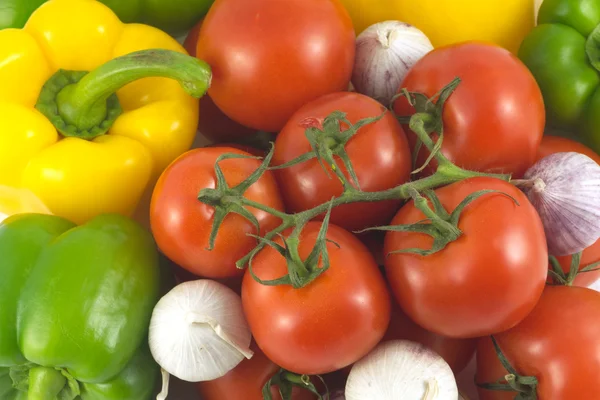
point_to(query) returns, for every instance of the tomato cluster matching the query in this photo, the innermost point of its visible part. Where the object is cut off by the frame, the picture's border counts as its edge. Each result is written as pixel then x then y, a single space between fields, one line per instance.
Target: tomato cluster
pixel 314 295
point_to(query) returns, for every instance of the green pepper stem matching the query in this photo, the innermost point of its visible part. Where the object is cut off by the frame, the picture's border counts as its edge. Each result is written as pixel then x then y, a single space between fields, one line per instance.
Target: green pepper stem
pixel 85 105
pixel 45 383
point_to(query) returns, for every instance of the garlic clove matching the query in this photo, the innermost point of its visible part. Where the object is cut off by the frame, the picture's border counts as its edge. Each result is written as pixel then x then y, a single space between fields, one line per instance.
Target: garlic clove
pixel 401 369
pixel 198 331
pixel 565 190
pixel 384 53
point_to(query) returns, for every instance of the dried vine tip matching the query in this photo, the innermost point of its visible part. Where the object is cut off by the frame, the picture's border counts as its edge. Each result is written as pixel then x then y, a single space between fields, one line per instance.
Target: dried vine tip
pixel 384 53
pixel 401 369
pixel 565 190
pixel 198 332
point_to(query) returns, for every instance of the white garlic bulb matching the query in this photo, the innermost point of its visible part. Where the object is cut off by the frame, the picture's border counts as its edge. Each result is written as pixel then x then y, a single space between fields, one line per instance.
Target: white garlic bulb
pixel 384 53
pixel 198 331
pixel 565 190
pixel 401 369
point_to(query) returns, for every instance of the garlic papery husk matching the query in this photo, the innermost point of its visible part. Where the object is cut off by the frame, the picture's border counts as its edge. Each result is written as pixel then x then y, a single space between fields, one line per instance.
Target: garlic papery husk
pixel 565 190
pixel 384 54
pixel 198 331
pixel 401 369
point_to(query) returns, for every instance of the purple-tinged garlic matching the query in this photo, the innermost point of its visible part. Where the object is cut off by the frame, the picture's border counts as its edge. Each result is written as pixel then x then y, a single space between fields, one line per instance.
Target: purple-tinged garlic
pixel 384 53
pixel 401 369
pixel 565 190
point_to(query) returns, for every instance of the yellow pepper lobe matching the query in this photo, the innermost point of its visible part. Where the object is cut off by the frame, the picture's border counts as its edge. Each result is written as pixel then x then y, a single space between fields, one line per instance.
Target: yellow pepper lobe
pixel 503 22
pixel 83 179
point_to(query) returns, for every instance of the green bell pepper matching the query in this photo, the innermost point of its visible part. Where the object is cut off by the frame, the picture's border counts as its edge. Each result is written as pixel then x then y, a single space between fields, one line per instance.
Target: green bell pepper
pixel 14 13
pixel 563 53
pixel 172 16
pixel 75 304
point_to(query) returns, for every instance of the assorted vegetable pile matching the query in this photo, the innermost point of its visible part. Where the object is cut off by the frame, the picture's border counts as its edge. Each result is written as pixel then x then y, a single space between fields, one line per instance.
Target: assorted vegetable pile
pixel 393 192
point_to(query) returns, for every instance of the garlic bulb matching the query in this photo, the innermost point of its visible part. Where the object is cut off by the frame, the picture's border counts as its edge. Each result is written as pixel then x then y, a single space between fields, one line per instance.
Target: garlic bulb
pixel 401 369
pixel 565 190
pixel 384 54
pixel 198 331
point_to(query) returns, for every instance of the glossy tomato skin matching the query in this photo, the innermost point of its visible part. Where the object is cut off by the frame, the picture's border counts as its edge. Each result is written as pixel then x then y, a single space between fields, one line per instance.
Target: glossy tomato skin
pixel 487 280
pixel 245 382
pixel 181 224
pixel 556 144
pixel 559 343
pixel 456 352
pixel 379 153
pixel 494 120
pixel 213 124
pixel 269 57
pixel 329 324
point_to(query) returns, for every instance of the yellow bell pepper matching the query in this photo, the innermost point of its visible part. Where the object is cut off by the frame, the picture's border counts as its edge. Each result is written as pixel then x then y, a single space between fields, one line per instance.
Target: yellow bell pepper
pixel 64 134
pixel 16 201
pixel 504 22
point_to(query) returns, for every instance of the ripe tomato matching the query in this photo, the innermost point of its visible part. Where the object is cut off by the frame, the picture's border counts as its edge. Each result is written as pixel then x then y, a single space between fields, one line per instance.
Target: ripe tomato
pixel 248 149
pixel 269 57
pixel 557 343
pixel 246 381
pixel 485 282
pixel 556 144
pixel 494 120
pixel 456 352
pixel 379 154
pixel 181 224
pixel 328 324
pixel 213 124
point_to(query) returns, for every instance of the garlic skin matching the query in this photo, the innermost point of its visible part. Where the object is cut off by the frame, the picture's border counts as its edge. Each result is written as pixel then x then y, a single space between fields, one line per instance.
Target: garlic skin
pixel 384 53
pixel 401 369
pixel 198 331
pixel 565 190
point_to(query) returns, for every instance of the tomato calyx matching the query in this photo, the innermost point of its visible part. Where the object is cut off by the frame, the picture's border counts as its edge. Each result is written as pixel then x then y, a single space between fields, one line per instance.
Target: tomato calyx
pixel 426 120
pixel 226 200
pixel 300 272
pixel 559 276
pixel 438 223
pixel 328 138
pixel 525 386
pixel 285 382
pixel 328 141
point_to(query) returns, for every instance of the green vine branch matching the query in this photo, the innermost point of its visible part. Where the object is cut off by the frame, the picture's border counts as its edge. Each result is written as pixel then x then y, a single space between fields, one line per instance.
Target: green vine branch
pixel 328 140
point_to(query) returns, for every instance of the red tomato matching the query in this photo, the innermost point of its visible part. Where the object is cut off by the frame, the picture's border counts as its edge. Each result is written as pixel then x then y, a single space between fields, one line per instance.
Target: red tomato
pixel 248 149
pixel 213 124
pixel 494 120
pixel 269 57
pixel 379 154
pixel 559 343
pixel 181 224
pixel 330 323
pixel 456 352
pixel 247 380
pixel 485 282
pixel 556 144
pixel 191 39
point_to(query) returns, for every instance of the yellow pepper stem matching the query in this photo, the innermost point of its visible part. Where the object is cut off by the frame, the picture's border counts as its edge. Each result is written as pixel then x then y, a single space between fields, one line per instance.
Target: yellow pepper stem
pixel 84 105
